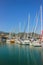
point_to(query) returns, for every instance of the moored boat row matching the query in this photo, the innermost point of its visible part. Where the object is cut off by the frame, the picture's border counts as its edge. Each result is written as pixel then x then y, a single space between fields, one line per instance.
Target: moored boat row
pixel 27 41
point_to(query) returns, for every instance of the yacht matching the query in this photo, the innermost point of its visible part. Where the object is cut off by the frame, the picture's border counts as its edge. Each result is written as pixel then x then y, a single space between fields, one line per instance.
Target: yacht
pixel 36 43
pixel 25 42
pixel 17 41
pixel 10 40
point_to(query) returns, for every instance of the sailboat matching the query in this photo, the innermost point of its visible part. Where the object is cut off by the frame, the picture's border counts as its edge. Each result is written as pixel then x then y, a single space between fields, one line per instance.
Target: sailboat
pixel 41 27
pixel 37 43
pixel 17 39
pixel 26 41
pixel 10 40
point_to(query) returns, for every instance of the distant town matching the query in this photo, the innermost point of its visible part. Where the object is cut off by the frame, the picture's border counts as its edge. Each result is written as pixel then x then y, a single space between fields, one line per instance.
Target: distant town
pixel 5 35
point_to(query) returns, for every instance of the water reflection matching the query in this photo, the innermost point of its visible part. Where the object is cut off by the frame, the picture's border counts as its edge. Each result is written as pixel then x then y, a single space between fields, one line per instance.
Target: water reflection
pixel 21 55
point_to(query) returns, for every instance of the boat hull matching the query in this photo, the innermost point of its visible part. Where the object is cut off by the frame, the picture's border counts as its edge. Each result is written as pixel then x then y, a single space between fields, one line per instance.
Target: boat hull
pixel 10 41
pixel 25 42
pixel 36 44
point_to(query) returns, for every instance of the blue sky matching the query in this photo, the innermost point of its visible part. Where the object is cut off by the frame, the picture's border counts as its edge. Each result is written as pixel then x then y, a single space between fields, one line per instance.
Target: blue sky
pixel 15 12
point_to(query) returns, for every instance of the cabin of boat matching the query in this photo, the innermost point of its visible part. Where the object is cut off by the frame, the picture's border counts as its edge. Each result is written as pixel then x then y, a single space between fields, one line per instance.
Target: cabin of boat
pixel 11 41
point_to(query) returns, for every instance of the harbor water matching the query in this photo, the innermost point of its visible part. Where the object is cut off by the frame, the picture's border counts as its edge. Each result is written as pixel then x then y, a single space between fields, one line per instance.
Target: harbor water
pixel 16 54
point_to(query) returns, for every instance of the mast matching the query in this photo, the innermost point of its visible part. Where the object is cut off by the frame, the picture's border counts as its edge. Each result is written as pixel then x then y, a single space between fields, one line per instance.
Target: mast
pixel 36 23
pixel 28 24
pixel 41 17
pixel 10 35
pixel 19 27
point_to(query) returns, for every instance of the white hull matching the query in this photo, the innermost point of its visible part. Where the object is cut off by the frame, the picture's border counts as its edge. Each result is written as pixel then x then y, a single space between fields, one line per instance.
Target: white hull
pixel 25 42
pixel 36 44
pixel 17 41
pixel 8 41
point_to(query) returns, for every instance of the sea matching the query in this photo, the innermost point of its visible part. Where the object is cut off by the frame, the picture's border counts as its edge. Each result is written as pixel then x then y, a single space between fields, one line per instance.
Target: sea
pixel 16 54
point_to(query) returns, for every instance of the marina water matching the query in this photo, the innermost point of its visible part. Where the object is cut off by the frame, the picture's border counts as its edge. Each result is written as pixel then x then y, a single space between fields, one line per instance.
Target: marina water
pixel 16 54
